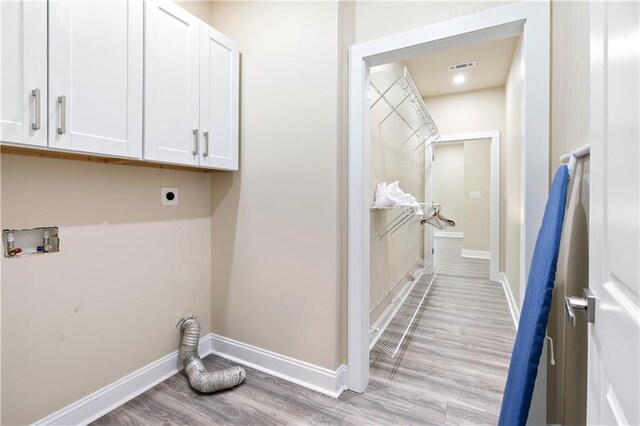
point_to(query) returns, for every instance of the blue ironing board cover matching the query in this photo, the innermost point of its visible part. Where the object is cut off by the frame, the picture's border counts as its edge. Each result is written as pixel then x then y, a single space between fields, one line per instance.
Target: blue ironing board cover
pixel 532 327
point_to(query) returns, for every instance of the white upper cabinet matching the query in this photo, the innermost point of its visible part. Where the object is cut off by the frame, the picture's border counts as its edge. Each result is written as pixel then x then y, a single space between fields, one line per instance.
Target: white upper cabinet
pixel 219 80
pixel 23 62
pixel 191 90
pixel 95 76
pixel 172 130
pixel 72 78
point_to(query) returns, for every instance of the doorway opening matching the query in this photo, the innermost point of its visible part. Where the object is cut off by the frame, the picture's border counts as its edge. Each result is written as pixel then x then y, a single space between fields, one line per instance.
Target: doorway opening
pixel 465 177
pixel 529 22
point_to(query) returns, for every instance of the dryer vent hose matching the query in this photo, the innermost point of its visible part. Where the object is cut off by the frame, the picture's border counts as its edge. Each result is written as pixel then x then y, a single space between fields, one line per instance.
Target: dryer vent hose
pixel 200 379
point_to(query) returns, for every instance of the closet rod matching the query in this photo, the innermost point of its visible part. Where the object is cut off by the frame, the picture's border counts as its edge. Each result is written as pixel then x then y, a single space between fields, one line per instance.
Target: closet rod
pixel 412 219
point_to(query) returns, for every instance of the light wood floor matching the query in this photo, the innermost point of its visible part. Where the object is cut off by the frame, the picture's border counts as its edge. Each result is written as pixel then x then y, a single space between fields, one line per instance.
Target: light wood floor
pixel 451 371
pixel 447 258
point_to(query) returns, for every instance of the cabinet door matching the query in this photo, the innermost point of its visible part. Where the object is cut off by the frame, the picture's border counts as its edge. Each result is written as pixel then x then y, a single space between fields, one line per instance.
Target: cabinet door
pixel 95 76
pixel 219 91
pixel 171 84
pixel 23 62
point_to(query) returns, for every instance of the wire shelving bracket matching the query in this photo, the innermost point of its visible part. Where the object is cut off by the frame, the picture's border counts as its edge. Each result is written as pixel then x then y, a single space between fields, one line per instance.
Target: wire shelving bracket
pixel 425 130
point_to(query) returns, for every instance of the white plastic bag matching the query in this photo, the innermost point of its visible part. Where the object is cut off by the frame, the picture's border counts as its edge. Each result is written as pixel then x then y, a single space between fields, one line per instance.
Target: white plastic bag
pixel 392 196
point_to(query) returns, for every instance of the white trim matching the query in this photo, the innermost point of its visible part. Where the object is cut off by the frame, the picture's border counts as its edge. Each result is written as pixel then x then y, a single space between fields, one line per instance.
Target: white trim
pixel 529 19
pixel 110 397
pixel 319 379
pixel 494 204
pixel 513 306
pixel 476 254
pixel 445 234
pixel 99 403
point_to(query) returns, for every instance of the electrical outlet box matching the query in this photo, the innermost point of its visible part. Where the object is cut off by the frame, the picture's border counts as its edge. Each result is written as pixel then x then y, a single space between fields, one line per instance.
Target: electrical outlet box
pixel 476 194
pixel 169 196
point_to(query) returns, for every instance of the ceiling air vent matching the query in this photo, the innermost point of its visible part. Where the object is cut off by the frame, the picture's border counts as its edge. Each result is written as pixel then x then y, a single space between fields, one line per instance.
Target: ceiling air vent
pixel 462 66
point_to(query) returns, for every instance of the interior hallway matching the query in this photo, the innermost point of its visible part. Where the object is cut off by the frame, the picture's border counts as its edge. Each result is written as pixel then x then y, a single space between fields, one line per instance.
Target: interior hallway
pixel 451 370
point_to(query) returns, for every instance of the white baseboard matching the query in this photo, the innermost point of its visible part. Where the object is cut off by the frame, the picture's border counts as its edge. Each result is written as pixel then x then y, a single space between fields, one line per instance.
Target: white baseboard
pixel 108 398
pixel 445 234
pixel 320 379
pixel 513 306
pixel 476 254
pixel 99 403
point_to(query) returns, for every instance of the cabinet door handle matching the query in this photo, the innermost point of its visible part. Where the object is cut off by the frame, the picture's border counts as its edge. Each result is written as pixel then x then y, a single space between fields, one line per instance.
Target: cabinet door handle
pixel 62 100
pixel 206 144
pixel 196 133
pixel 36 105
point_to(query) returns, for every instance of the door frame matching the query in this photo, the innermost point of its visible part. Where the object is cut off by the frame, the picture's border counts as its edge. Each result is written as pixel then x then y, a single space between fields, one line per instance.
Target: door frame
pixel 494 203
pixel 531 20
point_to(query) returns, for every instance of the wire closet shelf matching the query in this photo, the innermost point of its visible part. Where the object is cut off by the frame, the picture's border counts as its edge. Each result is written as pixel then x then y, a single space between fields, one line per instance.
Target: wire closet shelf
pixel 390 337
pixel 405 102
pixel 406 216
pixel 397 90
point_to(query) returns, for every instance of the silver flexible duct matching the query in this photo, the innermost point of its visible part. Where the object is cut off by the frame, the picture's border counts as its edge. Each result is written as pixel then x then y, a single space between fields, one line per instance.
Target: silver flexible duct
pixel 199 378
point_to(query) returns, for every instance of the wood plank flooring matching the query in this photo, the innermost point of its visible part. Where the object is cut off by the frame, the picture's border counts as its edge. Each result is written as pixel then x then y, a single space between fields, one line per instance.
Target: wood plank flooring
pixel 451 370
pixel 447 258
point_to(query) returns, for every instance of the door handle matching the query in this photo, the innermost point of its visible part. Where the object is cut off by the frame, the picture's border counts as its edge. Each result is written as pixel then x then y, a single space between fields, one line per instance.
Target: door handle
pixel 586 303
pixel 206 144
pixel 197 135
pixel 62 100
pixel 36 105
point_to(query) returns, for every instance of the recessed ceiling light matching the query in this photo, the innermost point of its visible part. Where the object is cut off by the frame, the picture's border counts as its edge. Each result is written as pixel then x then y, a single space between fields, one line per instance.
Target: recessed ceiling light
pixel 459 79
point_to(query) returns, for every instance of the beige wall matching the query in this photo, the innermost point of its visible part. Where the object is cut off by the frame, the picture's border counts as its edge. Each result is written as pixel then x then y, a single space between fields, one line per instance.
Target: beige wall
pixel 569 130
pixel 375 19
pixel 199 8
pixel 108 302
pixel 400 252
pixel 477 178
pixel 448 183
pixel 513 173
pixel 467 112
pixel 276 274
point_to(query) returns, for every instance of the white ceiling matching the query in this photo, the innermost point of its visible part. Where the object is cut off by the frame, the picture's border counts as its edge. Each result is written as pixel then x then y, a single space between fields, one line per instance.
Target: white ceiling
pixel 493 59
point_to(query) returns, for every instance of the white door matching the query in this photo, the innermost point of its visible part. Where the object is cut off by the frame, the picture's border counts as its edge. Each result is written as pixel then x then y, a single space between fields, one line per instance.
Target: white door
pixel 219 90
pixel 613 394
pixel 95 76
pixel 23 89
pixel 172 130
